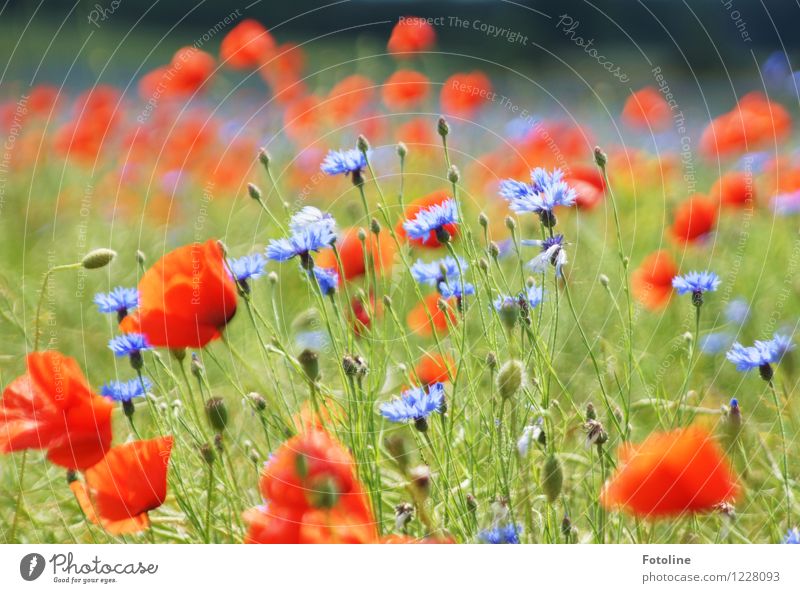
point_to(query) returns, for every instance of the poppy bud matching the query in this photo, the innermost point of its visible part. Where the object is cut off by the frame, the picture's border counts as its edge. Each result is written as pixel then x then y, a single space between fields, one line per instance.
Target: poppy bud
pixel 207 453
pixel 510 378
pixel 509 313
pixel 196 366
pixel 552 478
pixel 600 157
pixel 140 257
pixel 218 442
pixel 362 143
pixel 253 455
pixel 421 479
pixel 273 278
pixel 511 224
pixel 375 226
pixel 98 258
pixel 362 235
pixel 491 360
pixel 217 414
pixel 387 301
pixel 323 492
pixel 566 527
pixel 494 250
pixel 453 174
pixel 254 192
pixel 402 150
pixel 441 304
pixel 264 158
pixel 483 264
pixel 591 413
pixel 483 220
pixel 443 127
pixel 257 401
pixel 604 281
pixel 310 362
pixel 403 514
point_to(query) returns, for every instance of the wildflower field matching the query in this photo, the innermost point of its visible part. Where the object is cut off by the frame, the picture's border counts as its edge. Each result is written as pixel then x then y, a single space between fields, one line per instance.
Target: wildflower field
pixel 269 293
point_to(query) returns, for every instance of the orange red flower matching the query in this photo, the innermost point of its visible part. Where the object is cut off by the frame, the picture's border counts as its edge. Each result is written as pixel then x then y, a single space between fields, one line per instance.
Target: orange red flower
pixel 185 299
pixel 188 71
pixel 349 97
pixel 411 211
pixel 670 474
pixel 410 35
pixel 694 219
pixel 380 249
pixel 434 368
pixel 420 317
pixel 405 89
pixel 465 92
pixel 651 282
pixel 312 495
pixel 734 189
pixel 247 46
pixel 646 109
pixel 588 183
pixel 52 407
pixel 125 485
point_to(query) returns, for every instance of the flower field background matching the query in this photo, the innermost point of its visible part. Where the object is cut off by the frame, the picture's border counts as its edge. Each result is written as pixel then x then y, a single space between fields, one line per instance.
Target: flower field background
pixel 284 290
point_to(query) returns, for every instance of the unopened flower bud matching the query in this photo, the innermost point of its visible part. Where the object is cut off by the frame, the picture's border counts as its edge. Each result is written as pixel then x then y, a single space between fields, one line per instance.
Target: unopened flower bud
pixel 98 258
pixel 273 278
pixel 402 150
pixel 510 378
pixel 604 281
pixel 257 401
pixel 196 366
pixel 254 192
pixel 453 174
pixel 483 220
pixel 511 224
pixel 494 250
pixel 217 414
pixel 207 453
pixel 362 143
pixel 140 257
pixel 600 157
pixel 264 157
pixel 552 478
pixel 362 235
pixel 387 301
pixel 443 127
pixel 491 360
pixel 483 265
pixel 309 360
pixel 375 226
pixel 591 413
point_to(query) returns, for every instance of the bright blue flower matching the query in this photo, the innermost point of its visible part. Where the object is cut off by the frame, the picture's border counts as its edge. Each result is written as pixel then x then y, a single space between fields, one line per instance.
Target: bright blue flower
pixel 125 391
pixel 552 252
pixel 432 273
pixel 696 282
pixel 118 300
pixel 309 215
pixel 312 340
pixel 792 536
pixel 339 162
pixel 128 344
pixel 328 279
pixel 311 238
pixel 513 190
pixel 715 342
pixel 248 266
pixel 760 353
pixel 414 404
pixel 456 288
pixel 534 295
pixel 501 534
pixel 546 191
pixel 531 298
pixel 737 311
pixel 432 219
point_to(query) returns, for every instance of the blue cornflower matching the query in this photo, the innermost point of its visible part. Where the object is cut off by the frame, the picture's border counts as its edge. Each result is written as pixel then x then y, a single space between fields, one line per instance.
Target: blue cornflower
pixel 124 391
pixel 792 536
pixel 456 288
pixel 128 344
pixel 248 266
pixel 715 342
pixel 696 283
pixel 737 311
pixel 344 162
pixel 432 273
pixel 309 215
pixel 415 405
pixel 501 534
pixel 761 355
pixel 120 300
pixel 552 252
pixel 312 237
pixel 546 191
pixel 328 279
pixel 513 190
pixel 432 220
pixel 312 340
pixel 511 308
pixel 533 295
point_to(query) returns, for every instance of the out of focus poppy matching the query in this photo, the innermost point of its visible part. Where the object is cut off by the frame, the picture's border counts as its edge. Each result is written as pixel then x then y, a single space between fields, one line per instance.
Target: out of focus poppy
pixel 96 119
pixel 273 524
pixel 125 485
pixel 756 122
pixel 380 248
pixel 418 134
pixel 694 219
pixel 188 71
pixel 363 317
pixel 246 46
pixel 348 97
pixel 734 189
pixel 411 210
pixel 303 119
pixel 587 181
pixel 670 474
pixel 646 109
pixel 405 89
pixel 52 407
pixel 410 35
pixel 419 318
pixel 434 368
pixel 652 280
pixel 185 299
pixel 42 99
pixel 465 92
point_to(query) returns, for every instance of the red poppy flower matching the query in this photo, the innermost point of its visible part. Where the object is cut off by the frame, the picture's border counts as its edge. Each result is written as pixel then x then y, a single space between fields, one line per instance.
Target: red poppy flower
pixel 646 109
pixel 411 211
pixel 312 495
pixel 188 71
pixel 42 99
pixel 694 219
pixel 380 249
pixel 185 299
pixel 97 117
pixel 670 474
pixel 418 134
pixel 434 368
pixel 52 407
pixel 125 485
pixel 302 119
pixel 411 34
pixel 419 318
pixel 734 189
pixel 349 97
pixel 248 45
pixel 405 89
pixel 652 280
pixel 587 181
pixel 363 316
pixel 754 123
pixel 465 92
